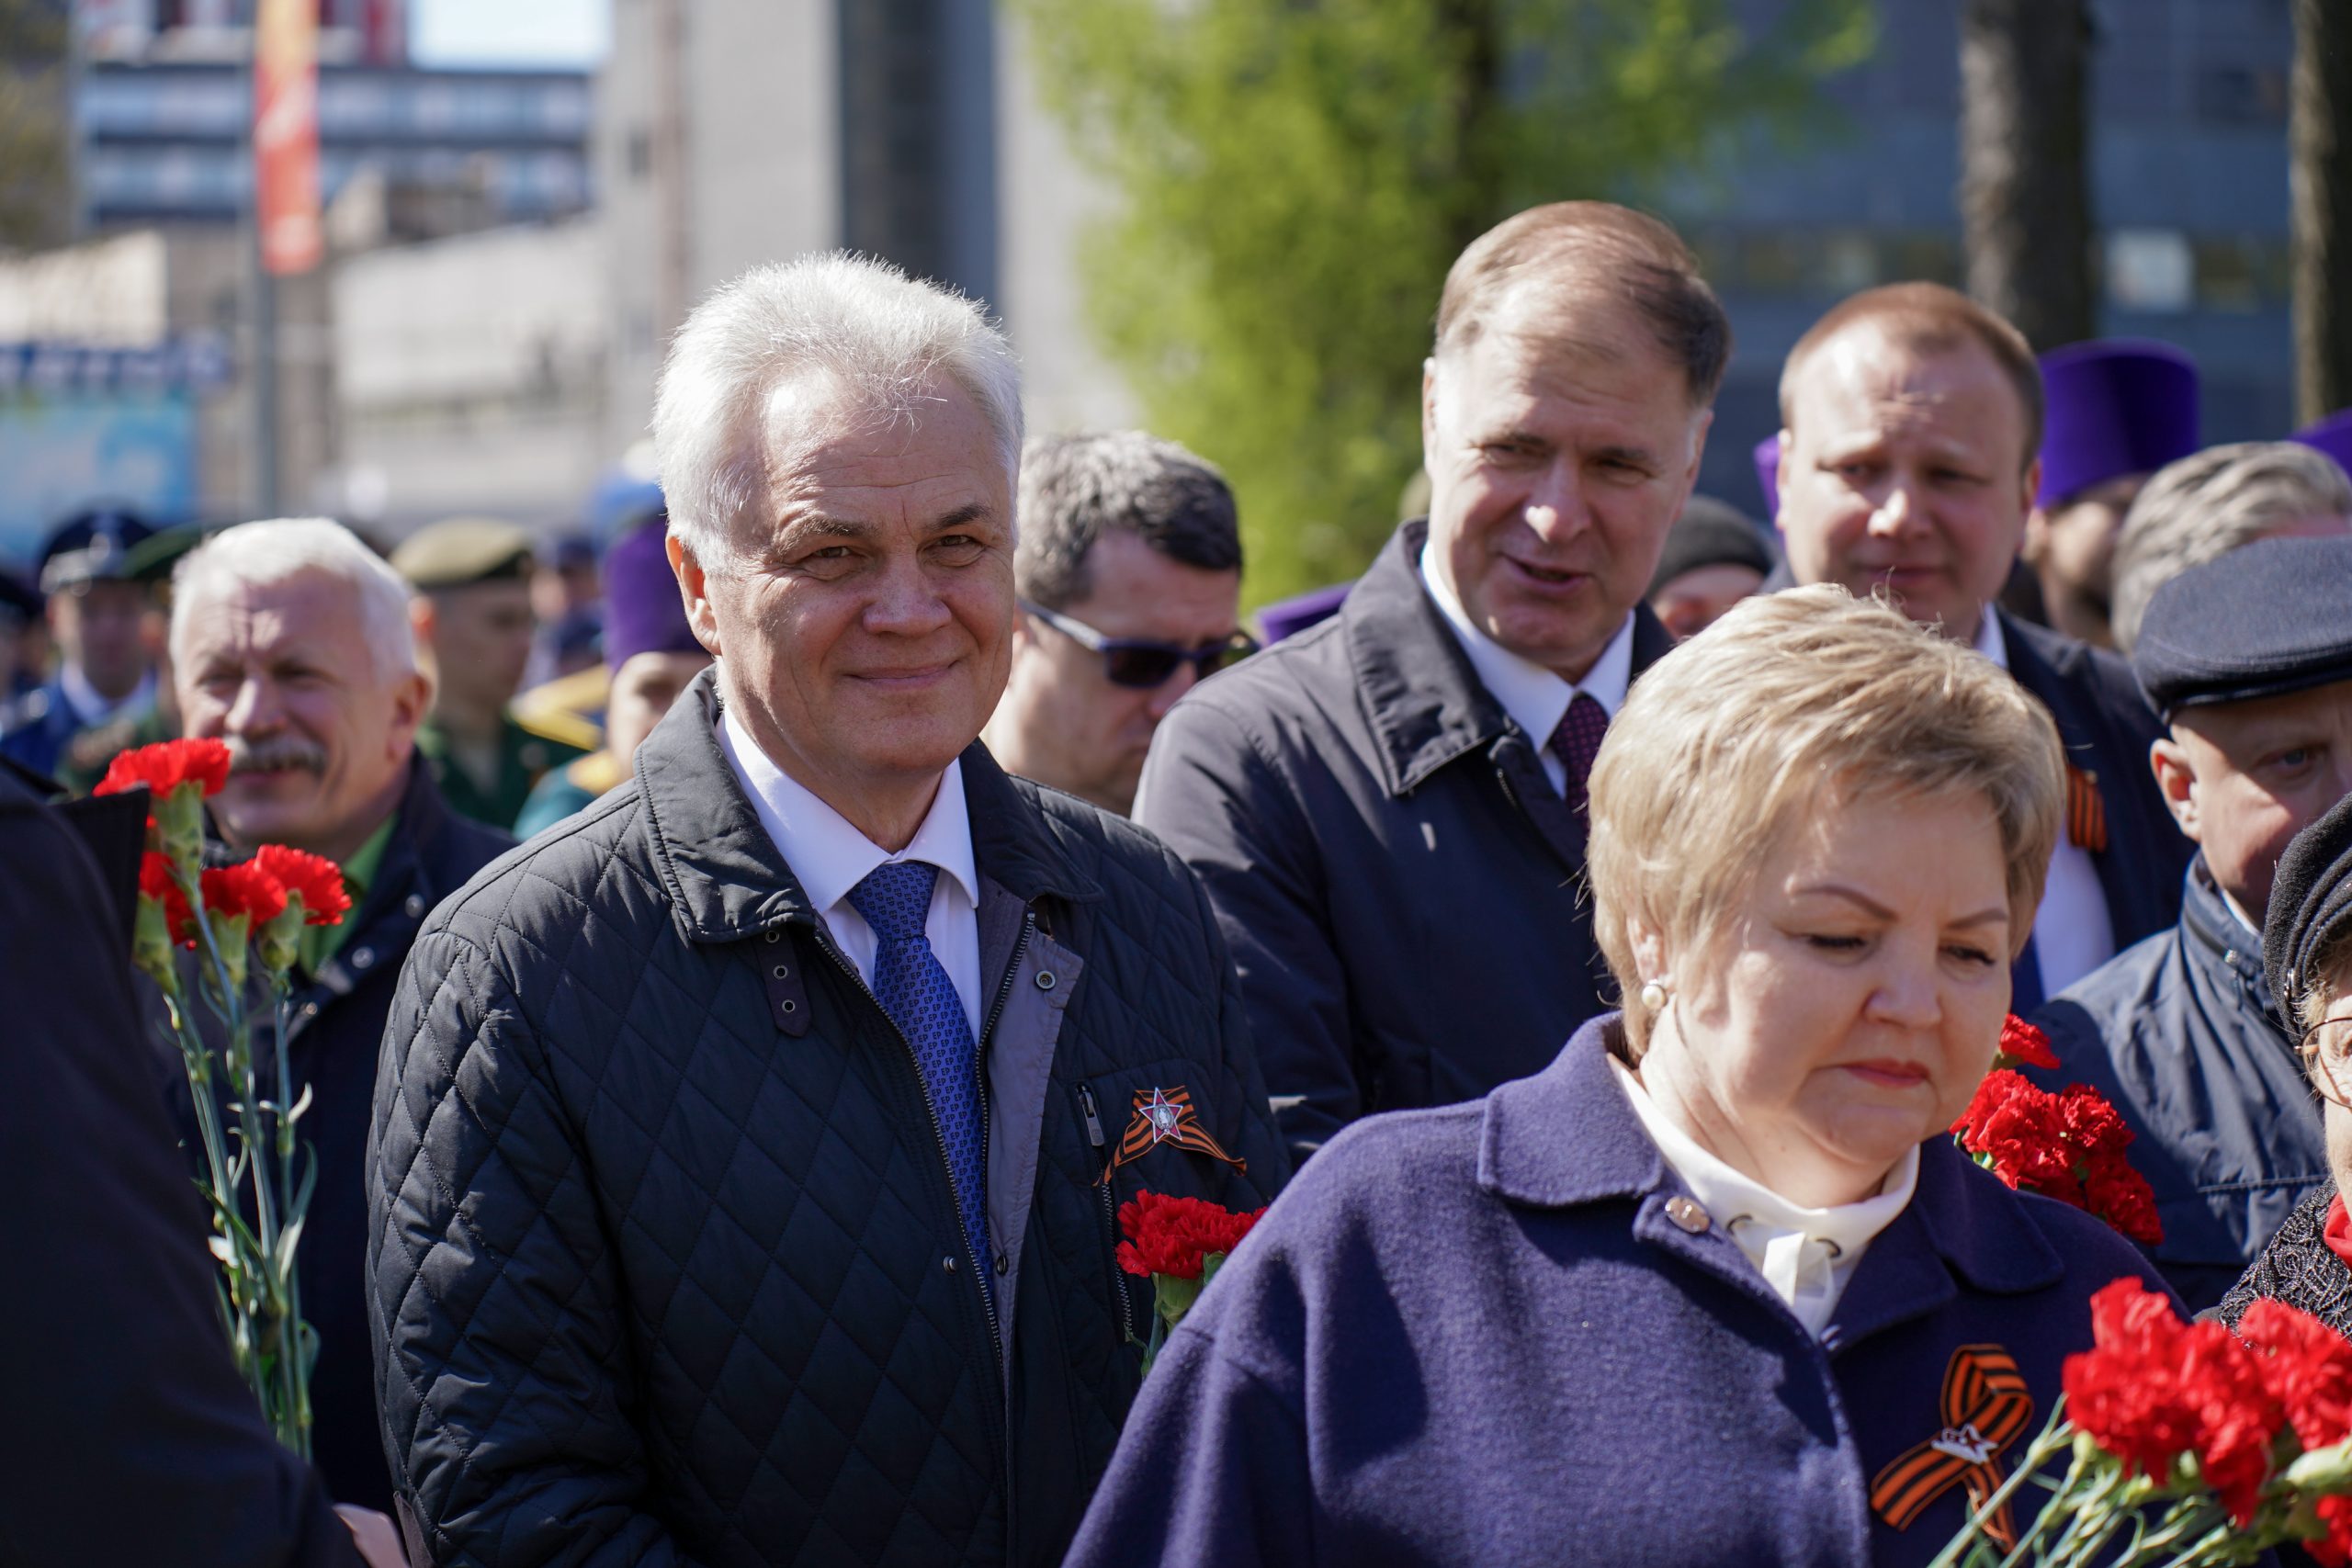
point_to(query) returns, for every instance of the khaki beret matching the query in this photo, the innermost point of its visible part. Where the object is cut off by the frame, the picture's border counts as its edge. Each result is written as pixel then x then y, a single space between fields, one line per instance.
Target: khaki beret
pixel 458 551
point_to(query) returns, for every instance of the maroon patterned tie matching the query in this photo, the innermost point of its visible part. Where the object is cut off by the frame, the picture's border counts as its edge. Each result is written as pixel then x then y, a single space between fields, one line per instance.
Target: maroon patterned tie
pixel 1575 742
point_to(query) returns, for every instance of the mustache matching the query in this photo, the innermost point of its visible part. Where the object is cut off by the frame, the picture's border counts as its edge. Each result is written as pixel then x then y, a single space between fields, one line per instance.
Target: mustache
pixel 274 755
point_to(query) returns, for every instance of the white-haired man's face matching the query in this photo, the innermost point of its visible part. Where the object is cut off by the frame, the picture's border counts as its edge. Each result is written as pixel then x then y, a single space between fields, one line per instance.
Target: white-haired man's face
pixel 319 734
pixel 863 631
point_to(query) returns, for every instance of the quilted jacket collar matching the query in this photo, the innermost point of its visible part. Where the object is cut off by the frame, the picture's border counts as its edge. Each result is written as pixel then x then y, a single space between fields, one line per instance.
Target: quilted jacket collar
pixel 727 880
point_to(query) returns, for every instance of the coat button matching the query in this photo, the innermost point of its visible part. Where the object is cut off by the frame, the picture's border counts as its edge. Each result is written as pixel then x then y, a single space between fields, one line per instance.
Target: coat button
pixel 1045 979
pixel 782 973
pixel 1003 1263
pixel 948 1263
pixel 364 957
pixel 775 936
pixel 415 907
pixel 1687 1214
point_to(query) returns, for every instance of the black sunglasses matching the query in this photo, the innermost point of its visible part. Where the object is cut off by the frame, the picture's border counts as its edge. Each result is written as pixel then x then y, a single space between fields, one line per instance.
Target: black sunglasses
pixel 1147 665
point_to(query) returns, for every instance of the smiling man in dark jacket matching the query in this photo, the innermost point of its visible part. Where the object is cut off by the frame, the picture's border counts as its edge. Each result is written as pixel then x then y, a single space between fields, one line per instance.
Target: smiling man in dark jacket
pixel 749 1146
pixel 1387 810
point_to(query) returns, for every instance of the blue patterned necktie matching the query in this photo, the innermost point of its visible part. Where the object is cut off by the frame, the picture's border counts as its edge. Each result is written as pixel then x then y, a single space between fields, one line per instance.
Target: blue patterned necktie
pixel 914 989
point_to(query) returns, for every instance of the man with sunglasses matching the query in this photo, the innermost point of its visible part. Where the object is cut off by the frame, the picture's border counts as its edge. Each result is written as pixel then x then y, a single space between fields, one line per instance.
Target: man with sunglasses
pixel 1129 573
pixel 1387 809
pixel 2248 659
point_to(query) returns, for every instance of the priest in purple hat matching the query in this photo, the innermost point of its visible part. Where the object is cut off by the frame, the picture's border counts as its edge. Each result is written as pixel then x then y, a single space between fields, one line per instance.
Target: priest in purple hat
pixel 2119 410
pixel 652 654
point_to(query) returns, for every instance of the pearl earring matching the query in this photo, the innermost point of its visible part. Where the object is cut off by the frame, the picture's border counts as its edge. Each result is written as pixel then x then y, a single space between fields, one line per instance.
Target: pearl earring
pixel 1653 996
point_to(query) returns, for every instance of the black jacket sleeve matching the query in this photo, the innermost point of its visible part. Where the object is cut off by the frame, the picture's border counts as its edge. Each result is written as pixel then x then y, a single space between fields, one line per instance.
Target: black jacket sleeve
pixel 129 1437
pixel 1213 798
pixel 500 1353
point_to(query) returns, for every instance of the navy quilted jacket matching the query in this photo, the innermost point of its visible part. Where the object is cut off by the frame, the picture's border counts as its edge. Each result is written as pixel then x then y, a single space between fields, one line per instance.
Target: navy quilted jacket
pixel 664 1258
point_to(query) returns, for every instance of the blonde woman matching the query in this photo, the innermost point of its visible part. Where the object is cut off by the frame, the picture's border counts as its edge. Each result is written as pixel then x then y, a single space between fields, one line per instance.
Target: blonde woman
pixel 1715 1286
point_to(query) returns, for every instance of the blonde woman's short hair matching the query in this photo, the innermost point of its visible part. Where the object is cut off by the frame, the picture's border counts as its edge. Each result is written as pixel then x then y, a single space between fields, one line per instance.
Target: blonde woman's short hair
pixel 1790 700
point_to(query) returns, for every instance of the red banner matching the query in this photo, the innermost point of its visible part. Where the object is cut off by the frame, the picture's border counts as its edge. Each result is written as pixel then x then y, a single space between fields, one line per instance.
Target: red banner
pixel 285 135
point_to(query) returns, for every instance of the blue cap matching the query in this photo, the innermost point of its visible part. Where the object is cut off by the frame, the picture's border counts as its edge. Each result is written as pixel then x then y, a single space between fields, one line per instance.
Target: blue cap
pixel 92 546
pixel 2116 406
pixel 2264 619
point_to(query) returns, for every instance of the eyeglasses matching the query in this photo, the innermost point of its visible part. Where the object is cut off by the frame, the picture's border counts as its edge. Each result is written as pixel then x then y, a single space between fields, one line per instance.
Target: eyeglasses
pixel 1146 666
pixel 2326 1044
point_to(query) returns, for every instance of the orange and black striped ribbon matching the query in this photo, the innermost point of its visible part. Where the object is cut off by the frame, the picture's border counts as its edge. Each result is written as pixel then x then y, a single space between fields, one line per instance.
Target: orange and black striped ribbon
pixel 1166 1116
pixel 2086 812
pixel 1985 1407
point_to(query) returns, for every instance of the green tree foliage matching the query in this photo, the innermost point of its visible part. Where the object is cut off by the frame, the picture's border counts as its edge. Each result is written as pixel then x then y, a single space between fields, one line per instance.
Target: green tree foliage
pixel 1297 174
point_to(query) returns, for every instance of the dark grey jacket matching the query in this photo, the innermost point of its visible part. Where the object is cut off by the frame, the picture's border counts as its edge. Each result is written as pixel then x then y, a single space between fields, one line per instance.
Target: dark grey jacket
pixel 666 1263
pixel 1402 887
pixel 2180 1033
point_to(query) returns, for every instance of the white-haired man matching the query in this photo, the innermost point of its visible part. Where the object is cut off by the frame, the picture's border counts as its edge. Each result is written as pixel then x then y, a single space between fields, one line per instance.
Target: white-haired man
pixel 290 642
pixel 749 1146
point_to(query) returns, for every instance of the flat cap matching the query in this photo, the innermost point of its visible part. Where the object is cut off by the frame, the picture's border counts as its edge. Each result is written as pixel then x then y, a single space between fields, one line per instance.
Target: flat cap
pixel 2311 906
pixel 2263 619
pixel 92 547
pixel 459 551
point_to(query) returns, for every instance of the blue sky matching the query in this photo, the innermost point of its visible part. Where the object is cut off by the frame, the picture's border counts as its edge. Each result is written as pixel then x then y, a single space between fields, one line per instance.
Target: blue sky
pixel 509 32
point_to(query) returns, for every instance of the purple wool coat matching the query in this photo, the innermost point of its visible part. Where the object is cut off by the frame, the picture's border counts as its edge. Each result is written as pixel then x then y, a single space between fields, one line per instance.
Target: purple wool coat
pixel 1476 1336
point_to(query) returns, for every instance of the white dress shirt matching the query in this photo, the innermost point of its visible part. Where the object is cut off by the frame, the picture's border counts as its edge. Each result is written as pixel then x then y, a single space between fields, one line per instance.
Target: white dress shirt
pixel 1536 698
pixel 1807 1256
pixel 2071 934
pixel 830 857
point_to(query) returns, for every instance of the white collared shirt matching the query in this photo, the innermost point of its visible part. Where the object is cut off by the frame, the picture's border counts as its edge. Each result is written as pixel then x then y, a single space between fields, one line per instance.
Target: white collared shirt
pixel 830 857
pixel 2071 933
pixel 94 709
pixel 1535 698
pixel 1807 1256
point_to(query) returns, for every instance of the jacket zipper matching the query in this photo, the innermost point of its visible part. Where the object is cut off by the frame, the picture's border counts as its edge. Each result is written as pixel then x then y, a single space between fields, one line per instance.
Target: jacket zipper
pixel 1110 1215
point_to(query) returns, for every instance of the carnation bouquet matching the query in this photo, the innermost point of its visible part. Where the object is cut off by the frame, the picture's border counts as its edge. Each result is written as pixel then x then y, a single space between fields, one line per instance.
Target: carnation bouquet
pixel 2068 1145
pixel 2182 1445
pixel 1177 1243
pixel 243 922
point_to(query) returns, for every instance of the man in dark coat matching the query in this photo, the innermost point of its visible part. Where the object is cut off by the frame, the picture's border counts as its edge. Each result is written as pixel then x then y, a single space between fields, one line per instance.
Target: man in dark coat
pixel 1912 423
pixel 749 1146
pixel 290 643
pixel 130 1437
pixel 2249 659
pixel 1387 809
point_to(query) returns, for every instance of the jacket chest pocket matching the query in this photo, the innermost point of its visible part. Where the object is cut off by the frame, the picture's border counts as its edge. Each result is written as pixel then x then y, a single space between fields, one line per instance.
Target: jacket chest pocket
pixel 1145 1132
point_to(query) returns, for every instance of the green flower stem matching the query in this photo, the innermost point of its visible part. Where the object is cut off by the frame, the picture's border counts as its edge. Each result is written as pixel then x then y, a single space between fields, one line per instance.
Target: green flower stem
pixel 2046 1442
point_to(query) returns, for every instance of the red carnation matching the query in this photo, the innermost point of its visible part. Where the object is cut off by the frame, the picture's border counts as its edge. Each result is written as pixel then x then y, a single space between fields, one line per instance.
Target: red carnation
pixel 1172 1236
pixel 166 766
pixel 157 883
pixel 2335 1550
pixel 2156 1388
pixel 2068 1146
pixel 317 879
pixel 2307 1365
pixel 246 888
pixel 2025 1045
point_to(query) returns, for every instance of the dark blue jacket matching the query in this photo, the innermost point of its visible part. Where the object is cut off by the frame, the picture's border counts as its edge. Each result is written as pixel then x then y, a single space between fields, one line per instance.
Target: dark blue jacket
pixel 35 728
pixel 1473 1336
pixel 1402 888
pixel 2180 1032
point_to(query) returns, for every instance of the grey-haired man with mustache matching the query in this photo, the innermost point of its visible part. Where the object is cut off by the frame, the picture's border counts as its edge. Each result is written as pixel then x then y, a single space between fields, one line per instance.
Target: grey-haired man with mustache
pixel 290 642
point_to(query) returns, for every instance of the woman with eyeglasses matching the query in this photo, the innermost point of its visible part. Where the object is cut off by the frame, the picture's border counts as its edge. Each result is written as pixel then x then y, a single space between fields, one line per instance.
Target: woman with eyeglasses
pixel 2307 952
